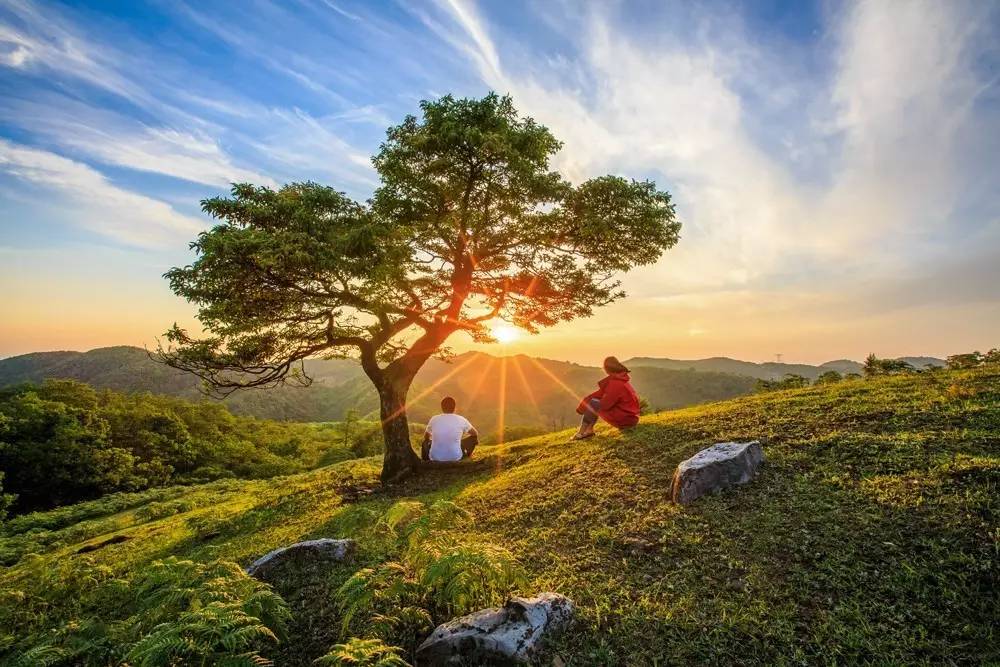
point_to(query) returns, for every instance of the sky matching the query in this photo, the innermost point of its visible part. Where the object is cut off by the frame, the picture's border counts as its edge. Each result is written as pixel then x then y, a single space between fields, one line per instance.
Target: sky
pixel 834 164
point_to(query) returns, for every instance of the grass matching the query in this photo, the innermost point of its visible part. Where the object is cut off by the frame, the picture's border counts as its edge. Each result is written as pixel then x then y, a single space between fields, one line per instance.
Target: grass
pixel 871 535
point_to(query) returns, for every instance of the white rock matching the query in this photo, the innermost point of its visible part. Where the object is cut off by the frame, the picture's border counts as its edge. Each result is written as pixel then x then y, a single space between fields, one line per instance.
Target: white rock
pixel 717 467
pixel 513 634
pixel 304 553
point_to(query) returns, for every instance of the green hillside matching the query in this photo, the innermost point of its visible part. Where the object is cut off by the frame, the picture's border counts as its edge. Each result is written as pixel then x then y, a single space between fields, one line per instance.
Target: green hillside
pixel 537 395
pixel 62 442
pixel 871 535
pixel 129 369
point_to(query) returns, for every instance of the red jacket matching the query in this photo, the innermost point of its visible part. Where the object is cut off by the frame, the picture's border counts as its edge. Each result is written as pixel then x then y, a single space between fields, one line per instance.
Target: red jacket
pixel 619 402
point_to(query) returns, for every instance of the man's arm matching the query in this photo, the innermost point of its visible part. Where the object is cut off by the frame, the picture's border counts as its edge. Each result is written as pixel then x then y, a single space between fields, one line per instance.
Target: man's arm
pixel 425 446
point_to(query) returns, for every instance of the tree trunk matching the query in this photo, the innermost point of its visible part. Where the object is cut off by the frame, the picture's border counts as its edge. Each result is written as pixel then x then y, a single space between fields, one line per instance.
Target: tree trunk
pixel 400 460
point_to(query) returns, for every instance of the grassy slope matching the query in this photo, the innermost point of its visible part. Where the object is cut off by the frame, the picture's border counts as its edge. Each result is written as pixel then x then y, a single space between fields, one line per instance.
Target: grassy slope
pixel 872 533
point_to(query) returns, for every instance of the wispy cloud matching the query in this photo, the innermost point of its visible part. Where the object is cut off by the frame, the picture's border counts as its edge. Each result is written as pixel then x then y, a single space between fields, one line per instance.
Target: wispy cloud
pixel 115 139
pixel 899 107
pixel 99 205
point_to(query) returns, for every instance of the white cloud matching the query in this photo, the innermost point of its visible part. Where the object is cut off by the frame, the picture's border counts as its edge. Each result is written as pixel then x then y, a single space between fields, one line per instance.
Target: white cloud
pixel 303 146
pixel 98 205
pixel 118 140
pixel 900 103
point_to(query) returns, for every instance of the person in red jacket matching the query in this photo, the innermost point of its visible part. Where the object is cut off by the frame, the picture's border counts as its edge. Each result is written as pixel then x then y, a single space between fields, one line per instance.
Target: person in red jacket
pixel 615 401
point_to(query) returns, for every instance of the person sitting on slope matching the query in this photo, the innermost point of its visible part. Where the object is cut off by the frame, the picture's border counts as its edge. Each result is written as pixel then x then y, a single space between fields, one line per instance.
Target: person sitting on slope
pixel 615 401
pixel 448 437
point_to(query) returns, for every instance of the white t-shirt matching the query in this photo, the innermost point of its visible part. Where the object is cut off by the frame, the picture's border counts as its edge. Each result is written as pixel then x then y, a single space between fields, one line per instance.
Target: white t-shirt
pixel 446 432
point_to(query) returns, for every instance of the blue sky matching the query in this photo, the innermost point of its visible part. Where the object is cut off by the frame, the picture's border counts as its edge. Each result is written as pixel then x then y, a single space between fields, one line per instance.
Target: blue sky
pixel 834 164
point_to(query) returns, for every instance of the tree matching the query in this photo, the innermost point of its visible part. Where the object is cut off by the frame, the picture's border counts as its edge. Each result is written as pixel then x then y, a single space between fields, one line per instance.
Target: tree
pixel 829 377
pixel 967 360
pixel 789 381
pixel 469 223
pixel 350 419
pixel 874 366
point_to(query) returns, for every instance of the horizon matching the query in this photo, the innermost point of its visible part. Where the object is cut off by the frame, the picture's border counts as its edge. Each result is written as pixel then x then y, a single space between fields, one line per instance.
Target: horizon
pixel 497 354
pixel 834 166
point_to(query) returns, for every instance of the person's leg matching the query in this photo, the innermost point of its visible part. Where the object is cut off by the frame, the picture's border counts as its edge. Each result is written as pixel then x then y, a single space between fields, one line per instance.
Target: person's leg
pixel 469 443
pixel 425 448
pixel 589 419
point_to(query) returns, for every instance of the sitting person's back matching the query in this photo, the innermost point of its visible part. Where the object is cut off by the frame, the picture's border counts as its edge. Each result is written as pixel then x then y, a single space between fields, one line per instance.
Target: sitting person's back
pixel 448 436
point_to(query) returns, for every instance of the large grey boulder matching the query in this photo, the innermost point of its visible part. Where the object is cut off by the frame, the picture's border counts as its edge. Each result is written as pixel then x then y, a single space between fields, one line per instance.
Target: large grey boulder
pixel 310 552
pixel 717 467
pixel 512 634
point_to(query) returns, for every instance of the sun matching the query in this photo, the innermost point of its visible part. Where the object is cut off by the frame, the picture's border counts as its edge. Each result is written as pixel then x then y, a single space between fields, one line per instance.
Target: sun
pixel 504 333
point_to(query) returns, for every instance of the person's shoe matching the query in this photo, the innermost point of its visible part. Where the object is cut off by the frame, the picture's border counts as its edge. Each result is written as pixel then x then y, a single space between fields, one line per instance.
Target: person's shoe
pixel 583 436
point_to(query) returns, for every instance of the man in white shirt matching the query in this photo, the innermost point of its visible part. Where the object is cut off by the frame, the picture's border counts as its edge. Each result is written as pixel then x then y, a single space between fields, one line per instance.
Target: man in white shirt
pixel 448 437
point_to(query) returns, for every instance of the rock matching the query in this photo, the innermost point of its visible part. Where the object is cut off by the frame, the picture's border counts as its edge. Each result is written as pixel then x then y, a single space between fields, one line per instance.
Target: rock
pixel 310 552
pixel 512 634
pixel 717 467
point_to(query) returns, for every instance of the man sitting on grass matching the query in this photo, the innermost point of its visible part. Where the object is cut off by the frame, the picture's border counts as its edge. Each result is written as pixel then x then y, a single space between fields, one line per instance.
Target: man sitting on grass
pixel 448 437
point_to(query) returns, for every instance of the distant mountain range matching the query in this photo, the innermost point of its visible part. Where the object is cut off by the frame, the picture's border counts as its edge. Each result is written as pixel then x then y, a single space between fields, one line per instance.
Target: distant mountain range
pixel 535 393
pixel 539 393
pixel 768 370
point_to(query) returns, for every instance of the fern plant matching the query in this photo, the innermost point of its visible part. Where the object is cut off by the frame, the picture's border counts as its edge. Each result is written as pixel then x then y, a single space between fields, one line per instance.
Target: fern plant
pixel 218 634
pixel 363 653
pixel 436 577
pixel 172 586
pixel 180 612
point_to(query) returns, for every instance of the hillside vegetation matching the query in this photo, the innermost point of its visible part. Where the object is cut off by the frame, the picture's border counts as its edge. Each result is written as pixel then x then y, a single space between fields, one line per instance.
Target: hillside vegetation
pixel 534 395
pixel 871 535
pixel 63 441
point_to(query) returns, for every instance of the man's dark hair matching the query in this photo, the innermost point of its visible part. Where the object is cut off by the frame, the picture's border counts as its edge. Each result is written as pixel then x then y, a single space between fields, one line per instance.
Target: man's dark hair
pixel 448 404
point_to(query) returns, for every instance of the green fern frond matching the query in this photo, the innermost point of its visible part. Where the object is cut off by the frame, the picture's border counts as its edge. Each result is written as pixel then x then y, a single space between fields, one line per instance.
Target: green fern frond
pixel 41 656
pixel 363 653
pixel 461 578
pixel 402 514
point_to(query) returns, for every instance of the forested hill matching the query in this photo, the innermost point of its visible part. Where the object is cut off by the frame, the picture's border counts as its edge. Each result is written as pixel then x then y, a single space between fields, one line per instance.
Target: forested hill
pixel 535 393
pixel 768 370
pixel 129 369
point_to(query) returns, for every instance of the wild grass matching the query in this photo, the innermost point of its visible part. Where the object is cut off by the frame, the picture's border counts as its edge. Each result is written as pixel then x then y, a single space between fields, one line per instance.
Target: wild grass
pixel 872 535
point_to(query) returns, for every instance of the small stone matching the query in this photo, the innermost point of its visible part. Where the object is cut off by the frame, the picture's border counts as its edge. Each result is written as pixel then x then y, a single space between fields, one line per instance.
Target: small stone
pixel 310 552
pixel 513 634
pixel 714 468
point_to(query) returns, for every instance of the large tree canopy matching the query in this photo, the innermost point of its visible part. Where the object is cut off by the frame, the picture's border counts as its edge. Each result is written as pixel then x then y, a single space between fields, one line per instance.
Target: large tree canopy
pixel 469 224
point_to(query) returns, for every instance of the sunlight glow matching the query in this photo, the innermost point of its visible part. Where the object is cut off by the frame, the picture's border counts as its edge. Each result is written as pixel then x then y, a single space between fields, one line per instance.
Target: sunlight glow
pixel 502 399
pixel 504 333
pixel 565 387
